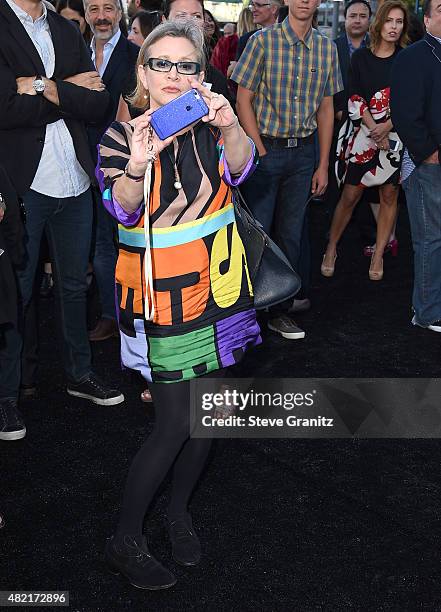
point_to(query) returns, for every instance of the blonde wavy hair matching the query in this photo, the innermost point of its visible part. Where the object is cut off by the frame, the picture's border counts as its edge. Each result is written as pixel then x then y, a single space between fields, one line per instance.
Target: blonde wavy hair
pixel 175 29
pixel 380 19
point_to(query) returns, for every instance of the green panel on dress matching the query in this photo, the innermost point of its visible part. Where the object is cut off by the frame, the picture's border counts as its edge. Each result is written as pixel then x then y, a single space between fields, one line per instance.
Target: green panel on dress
pixel 184 352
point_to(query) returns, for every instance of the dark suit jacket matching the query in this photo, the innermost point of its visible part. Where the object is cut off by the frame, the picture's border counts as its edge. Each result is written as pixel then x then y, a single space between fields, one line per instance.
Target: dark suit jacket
pixel 344 58
pixel 415 98
pixel 11 241
pixel 119 78
pixel 23 118
pixel 243 42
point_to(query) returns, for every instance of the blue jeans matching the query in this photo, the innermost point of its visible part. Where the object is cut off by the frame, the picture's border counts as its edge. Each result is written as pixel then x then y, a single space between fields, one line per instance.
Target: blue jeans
pixel 278 193
pixel 104 257
pixel 423 194
pixel 68 223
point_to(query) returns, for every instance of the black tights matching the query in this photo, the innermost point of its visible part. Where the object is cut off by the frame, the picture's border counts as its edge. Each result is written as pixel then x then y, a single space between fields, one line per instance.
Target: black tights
pixel 169 441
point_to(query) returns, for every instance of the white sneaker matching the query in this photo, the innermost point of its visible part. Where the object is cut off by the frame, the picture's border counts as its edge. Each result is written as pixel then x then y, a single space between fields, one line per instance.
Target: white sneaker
pixel 287 328
pixel 435 326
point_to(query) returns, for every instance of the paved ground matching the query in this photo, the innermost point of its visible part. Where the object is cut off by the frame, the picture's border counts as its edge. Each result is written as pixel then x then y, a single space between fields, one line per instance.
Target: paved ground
pixel 285 524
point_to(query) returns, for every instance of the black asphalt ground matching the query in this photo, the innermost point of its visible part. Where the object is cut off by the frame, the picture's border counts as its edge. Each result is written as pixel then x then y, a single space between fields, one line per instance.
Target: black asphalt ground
pixel 286 525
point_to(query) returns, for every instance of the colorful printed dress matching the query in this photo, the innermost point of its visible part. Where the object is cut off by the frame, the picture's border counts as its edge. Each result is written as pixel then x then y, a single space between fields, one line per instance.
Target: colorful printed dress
pixel 359 161
pixel 204 318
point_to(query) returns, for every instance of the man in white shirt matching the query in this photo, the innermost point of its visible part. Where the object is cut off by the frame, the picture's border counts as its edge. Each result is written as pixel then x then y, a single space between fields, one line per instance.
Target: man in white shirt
pixel 48 91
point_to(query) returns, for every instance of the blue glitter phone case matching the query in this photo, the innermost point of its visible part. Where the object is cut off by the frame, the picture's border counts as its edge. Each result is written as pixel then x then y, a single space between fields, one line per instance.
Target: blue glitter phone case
pixel 178 114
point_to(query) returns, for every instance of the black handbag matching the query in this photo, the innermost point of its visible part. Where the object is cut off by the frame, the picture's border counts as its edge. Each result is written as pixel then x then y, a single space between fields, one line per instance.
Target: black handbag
pixel 272 276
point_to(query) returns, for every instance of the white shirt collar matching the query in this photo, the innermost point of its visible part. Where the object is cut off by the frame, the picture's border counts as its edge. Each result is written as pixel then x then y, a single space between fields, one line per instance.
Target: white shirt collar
pixel 24 16
pixel 112 42
pixel 435 37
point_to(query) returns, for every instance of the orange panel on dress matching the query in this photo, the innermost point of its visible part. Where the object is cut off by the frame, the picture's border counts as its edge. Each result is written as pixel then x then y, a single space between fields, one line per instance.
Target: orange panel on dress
pixel 181 271
pixel 130 275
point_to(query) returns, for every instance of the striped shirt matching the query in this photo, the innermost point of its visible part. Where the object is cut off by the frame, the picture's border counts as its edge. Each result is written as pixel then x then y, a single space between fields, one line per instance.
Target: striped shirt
pixel 289 77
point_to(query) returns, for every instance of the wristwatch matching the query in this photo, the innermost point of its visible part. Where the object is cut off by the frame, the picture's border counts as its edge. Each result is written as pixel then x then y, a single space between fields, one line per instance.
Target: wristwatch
pixel 39 85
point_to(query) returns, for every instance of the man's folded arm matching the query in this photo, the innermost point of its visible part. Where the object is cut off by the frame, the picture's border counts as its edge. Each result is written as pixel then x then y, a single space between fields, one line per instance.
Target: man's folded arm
pixel 17 110
pixel 81 102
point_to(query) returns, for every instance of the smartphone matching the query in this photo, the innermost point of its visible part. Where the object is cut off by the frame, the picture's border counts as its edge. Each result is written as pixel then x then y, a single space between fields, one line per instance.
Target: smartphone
pixel 178 114
pixel 394 145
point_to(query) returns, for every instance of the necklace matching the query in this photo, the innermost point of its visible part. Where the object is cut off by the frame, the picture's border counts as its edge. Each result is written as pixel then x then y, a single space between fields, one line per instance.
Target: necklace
pixel 174 161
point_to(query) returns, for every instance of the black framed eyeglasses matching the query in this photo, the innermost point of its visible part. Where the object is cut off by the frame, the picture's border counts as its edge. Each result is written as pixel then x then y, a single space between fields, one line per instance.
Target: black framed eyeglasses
pixel 163 65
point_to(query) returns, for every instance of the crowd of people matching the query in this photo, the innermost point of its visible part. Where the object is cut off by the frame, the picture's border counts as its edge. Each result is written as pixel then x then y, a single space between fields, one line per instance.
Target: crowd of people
pixel 292 115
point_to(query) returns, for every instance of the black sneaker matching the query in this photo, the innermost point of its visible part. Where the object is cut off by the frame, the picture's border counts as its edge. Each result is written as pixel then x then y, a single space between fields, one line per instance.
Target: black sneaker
pixel 186 547
pixel 287 328
pixel 96 391
pixel 12 426
pixel 132 559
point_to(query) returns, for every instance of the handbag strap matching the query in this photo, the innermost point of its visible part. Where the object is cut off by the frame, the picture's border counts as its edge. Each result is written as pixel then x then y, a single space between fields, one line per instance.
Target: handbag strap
pixel 238 199
pixel 149 304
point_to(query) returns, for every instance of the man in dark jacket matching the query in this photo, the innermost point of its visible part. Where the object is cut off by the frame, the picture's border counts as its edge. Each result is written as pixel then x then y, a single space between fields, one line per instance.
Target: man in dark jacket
pixel 415 108
pixel 114 58
pixel 48 91
pixel 11 255
pixel 357 15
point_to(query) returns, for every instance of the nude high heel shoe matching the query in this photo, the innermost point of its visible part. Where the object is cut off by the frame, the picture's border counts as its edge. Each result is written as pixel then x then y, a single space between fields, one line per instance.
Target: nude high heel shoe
pixel 376 275
pixel 328 271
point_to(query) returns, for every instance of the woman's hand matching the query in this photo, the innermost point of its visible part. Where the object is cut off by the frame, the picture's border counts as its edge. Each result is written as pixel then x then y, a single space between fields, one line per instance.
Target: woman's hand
pixel 145 143
pixel 383 145
pixel 380 131
pixel 220 113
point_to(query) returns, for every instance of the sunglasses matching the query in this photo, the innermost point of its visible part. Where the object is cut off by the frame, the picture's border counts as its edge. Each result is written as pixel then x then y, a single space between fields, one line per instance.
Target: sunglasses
pixel 258 5
pixel 163 65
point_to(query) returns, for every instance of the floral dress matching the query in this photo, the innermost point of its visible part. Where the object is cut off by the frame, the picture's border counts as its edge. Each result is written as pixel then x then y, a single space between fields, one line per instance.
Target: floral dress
pixel 204 318
pixel 359 161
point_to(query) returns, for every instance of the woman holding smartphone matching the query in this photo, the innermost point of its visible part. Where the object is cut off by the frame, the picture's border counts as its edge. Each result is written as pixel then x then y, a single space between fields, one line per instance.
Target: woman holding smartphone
pixel 196 317
pixel 375 150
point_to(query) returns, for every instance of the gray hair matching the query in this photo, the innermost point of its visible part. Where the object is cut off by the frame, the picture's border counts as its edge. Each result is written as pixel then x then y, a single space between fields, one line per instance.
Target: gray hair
pixel 175 29
pixel 117 4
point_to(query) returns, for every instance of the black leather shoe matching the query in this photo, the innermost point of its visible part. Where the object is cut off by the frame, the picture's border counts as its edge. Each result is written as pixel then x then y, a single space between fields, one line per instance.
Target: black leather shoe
pixel 47 285
pixel 104 329
pixel 186 547
pixel 132 559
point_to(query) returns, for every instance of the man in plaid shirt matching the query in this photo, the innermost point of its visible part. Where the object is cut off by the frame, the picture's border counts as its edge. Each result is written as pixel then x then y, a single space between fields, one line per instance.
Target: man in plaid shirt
pixel 287 77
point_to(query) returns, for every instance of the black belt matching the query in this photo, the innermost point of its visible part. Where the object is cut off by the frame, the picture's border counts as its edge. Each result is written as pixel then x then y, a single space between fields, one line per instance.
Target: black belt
pixel 286 143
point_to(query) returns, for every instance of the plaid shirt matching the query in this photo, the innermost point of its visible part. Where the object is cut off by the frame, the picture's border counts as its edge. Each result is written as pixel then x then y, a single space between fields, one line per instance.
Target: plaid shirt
pixel 289 78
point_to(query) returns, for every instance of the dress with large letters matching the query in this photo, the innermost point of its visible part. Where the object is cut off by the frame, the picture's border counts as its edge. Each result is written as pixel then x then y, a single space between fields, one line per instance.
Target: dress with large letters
pixel 204 317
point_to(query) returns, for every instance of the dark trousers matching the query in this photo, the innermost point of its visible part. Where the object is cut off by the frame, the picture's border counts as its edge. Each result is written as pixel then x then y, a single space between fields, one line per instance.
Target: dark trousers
pixel 68 224
pixel 423 193
pixel 104 257
pixel 278 194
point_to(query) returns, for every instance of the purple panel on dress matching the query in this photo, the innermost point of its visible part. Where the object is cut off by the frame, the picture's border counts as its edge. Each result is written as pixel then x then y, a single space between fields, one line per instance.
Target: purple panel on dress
pixel 235 334
pixel 246 172
pixel 112 205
